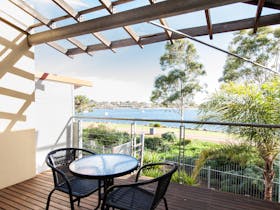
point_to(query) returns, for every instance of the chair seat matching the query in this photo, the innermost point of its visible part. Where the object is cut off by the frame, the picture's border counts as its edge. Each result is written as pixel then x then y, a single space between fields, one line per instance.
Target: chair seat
pixel 80 187
pixel 128 198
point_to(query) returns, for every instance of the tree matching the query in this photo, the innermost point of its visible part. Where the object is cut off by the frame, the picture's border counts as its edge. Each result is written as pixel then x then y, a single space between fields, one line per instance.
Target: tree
pixel 251 103
pixel 180 83
pixel 82 103
pixel 261 47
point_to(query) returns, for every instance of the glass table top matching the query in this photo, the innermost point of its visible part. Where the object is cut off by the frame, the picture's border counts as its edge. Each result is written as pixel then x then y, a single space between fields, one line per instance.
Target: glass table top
pixel 104 165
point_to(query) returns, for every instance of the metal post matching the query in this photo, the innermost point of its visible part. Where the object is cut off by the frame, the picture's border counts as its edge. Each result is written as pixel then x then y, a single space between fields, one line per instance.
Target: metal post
pixel 133 138
pixel 181 149
pixel 209 177
pixel 76 134
pixel 142 140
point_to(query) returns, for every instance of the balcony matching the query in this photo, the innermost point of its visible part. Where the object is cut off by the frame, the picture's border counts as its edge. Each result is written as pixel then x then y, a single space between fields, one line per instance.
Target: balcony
pixel 33 193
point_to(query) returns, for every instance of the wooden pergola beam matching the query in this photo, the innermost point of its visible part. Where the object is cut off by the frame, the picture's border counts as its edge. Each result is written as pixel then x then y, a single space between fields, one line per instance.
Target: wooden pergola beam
pixel 82 12
pixel 33 13
pixel 258 14
pixel 68 9
pixel 163 22
pixel 14 26
pixel 195 31
pixel 209 24
pixel 109 6
pixel 266 4
pixel 29 10
pixel 130 17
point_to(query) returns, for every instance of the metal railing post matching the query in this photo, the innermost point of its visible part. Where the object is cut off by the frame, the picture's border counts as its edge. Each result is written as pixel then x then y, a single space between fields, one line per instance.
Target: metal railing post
pixel 208 177
pixel 181 150
pixel 133 138
pixel 142 141
pixel 77 134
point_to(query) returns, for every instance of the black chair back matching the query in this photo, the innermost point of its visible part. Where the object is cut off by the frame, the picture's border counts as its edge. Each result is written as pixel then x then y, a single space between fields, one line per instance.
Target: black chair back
pixel 163 181
pixel 59 161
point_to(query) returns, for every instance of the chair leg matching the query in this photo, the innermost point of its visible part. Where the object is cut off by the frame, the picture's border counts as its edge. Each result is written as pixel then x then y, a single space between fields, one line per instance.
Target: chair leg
pixel 79 201
pixel 165 203
pixel 49 199
pixel 71 202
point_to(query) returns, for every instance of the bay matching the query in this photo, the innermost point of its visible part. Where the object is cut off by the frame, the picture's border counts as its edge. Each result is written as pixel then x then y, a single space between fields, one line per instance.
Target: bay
pixel 151 113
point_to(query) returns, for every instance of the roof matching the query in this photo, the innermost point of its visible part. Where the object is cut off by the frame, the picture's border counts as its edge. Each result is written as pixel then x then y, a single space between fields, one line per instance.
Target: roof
pixel 67 29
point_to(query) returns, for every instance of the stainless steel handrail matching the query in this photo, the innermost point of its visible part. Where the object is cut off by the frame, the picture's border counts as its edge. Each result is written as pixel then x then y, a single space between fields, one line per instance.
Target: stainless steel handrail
pixel 181 121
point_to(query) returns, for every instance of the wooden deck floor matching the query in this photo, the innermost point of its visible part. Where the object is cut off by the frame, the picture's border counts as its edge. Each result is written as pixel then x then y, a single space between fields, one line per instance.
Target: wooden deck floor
pixel 32 194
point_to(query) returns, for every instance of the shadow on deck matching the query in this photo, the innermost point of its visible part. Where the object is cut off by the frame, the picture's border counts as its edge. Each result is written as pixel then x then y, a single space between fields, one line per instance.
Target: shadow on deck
pixel 33 193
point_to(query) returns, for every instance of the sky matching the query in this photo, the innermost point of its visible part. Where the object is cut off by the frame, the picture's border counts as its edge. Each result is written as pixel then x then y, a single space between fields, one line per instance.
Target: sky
pixel 129 74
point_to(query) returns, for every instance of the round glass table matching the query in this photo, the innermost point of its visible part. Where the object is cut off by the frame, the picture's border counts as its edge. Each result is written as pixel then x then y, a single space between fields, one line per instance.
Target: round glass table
pixel 104 167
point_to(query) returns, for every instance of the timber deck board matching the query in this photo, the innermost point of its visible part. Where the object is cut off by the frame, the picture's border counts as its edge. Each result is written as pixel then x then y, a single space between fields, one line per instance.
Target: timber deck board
pixel 33 193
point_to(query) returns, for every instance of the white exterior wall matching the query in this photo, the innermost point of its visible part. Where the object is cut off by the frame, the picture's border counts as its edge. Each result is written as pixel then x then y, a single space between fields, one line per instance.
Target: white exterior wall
pixel 17 88
pixel 31 118
pixel 54 106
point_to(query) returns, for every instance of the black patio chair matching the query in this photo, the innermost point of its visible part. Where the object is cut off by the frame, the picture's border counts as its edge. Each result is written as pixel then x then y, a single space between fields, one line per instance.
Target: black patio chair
pixel 141 195
pixel 76 187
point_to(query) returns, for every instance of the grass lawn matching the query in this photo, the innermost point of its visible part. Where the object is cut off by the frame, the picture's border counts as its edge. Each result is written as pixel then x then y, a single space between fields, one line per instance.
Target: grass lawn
pixel 192 134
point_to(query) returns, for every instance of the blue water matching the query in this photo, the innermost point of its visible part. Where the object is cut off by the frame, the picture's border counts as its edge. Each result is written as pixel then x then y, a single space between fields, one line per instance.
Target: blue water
pixel 165 114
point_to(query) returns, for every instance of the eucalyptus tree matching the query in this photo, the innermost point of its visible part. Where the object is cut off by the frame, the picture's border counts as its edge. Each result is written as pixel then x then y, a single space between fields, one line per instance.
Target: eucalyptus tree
pixel 249 103
pixel 179 84
pixel 82 103
pixel 262 47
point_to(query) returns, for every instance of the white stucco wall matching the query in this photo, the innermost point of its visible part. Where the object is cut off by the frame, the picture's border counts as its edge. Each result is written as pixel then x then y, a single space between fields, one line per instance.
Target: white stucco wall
pixel 17 88
pixel 31 118
pixel 53 107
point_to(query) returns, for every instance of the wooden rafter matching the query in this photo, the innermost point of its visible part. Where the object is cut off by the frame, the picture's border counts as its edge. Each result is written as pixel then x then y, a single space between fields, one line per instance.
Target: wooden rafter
pixel 209 24
pixel 29 10
pixel 26 31
pixel 163 22
pixel 109 6
pixel 195 31
pixel 32 12
pixel 138 15
pixel 267 4
pixel 258 14
pixel 82 12
pixel 68 9
pixel 14 26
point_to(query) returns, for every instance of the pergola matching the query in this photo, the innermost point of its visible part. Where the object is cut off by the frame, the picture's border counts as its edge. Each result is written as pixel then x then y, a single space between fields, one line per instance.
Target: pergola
pixel 73 24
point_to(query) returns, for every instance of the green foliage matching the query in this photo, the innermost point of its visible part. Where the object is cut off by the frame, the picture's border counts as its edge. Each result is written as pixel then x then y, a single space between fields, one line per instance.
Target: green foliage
pixel 249 103
pixel 183 178
pixel 242 154
pixel 153 172
pixel 261 47
pixel 82 103
pixel 151 157
pixel 155 125
pixel 180 83
pixel 153 143
pixel 105 136
pixel 169 136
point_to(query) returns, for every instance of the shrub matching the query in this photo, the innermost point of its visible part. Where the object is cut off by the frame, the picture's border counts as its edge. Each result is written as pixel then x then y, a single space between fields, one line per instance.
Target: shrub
pixel 184 178
pixel 169 136
pixel 105 136
pixel 151 157
pixel 155 125
pixel 185 142
pixel 153 143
